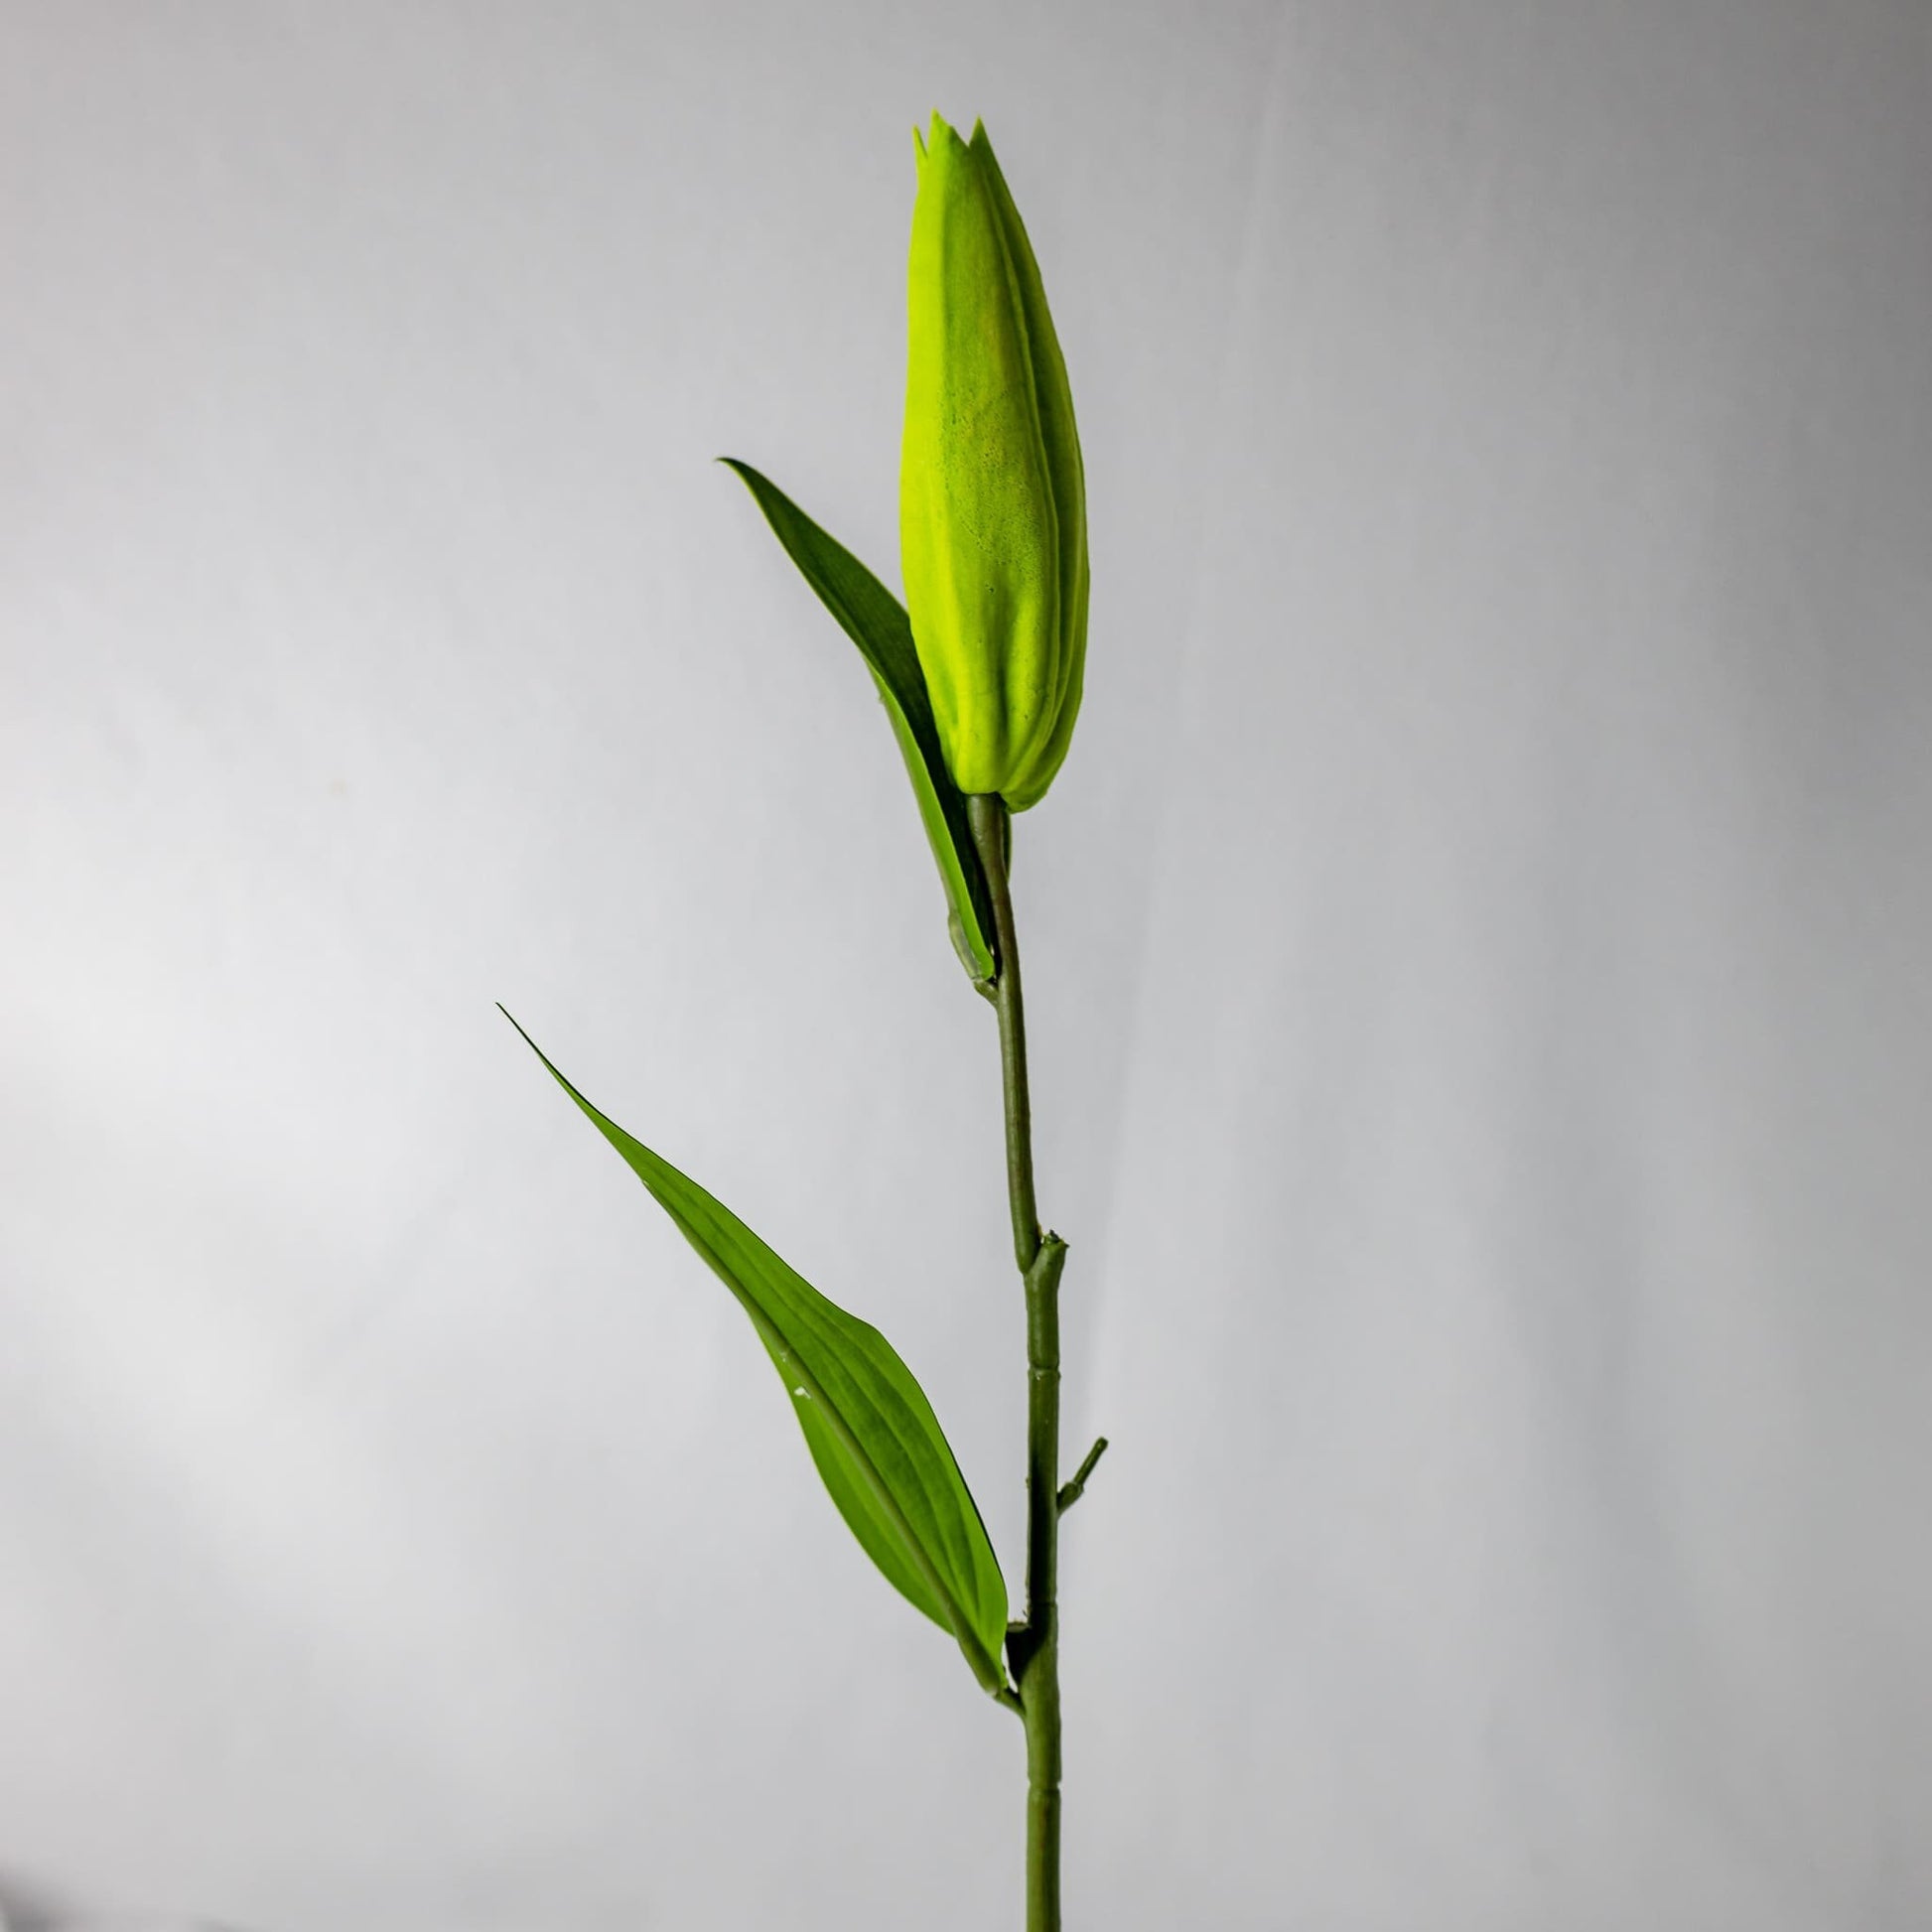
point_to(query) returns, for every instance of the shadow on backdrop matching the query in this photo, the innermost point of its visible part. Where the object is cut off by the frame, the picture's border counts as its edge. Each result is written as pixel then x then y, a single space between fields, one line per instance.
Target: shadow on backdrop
pixel 28 1905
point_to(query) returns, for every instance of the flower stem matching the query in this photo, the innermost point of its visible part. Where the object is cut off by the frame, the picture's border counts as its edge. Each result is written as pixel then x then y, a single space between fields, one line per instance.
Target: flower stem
pixel 1033 1646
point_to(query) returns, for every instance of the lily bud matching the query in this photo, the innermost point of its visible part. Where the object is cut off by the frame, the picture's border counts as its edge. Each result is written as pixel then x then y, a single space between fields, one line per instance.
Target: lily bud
pixel 993 517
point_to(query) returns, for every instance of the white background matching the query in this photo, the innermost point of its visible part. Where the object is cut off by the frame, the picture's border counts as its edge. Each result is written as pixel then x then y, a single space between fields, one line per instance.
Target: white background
pixel 1477 956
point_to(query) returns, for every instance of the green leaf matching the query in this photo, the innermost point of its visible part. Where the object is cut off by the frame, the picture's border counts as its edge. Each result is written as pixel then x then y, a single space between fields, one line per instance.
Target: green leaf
pixel 875 620
pixel 871 1430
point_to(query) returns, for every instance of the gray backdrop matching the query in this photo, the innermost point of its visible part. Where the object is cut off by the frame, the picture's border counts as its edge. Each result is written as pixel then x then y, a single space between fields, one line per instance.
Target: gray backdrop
pixel 1477 949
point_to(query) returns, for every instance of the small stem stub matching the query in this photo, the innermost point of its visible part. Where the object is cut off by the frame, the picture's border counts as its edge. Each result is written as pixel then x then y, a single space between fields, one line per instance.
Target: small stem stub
pixel 1071 1492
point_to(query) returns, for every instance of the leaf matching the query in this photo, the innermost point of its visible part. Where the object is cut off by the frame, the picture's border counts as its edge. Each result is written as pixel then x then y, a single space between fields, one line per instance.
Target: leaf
pixel 871 1430
pixel 875 620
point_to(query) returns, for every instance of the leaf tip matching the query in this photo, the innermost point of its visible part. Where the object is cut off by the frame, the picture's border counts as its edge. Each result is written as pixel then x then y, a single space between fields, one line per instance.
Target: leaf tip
pixel 527 1040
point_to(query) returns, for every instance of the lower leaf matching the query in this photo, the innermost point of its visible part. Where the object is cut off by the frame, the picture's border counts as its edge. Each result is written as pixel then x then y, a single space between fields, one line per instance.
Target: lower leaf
pixel 877 1444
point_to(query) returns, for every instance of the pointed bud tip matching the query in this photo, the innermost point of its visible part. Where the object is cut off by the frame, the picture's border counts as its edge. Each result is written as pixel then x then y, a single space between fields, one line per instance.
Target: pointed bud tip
pixel 941 137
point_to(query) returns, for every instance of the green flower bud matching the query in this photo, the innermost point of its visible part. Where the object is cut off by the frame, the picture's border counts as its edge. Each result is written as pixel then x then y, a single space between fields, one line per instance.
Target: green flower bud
pixel 993 513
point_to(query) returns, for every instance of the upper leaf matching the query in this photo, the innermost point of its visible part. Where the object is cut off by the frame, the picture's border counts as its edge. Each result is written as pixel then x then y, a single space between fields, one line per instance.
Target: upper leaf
pixel 871 1431
pixel 874 619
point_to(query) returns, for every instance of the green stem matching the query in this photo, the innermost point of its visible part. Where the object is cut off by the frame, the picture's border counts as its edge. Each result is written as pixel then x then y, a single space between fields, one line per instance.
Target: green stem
pixel 1033 1646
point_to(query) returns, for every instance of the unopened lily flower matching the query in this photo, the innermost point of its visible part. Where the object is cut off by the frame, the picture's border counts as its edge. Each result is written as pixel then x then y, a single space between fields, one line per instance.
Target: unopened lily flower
pixel 993 521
